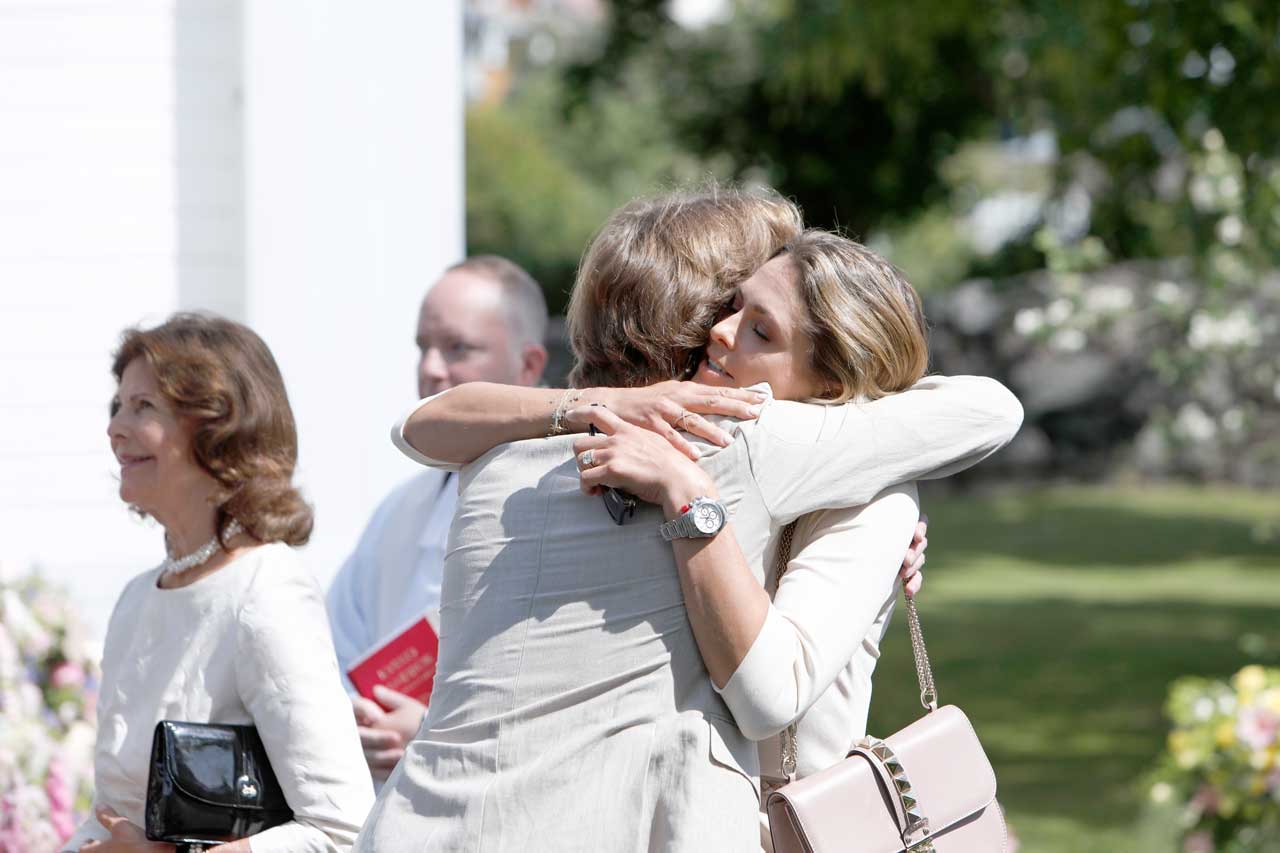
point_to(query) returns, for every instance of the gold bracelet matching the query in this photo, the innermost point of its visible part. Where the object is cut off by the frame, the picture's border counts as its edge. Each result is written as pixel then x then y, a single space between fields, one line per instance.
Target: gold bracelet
pixel 557 417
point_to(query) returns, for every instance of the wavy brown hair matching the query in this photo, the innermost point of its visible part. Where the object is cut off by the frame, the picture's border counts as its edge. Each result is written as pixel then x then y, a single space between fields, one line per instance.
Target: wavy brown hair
pixel 653 279
pixel 220 377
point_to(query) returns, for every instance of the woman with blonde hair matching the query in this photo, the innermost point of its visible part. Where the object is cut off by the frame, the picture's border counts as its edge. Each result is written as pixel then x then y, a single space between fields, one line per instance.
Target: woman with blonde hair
pixel 572 703
pixel 230 627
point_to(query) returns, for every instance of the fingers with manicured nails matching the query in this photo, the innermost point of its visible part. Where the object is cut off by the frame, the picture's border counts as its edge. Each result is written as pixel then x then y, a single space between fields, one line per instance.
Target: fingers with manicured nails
pixel 598 416
pixel 593 479
pixel 912 586
pixel 714 404
pixel 743 395
pixel 678 441
pixel 695 424
pixel 589 442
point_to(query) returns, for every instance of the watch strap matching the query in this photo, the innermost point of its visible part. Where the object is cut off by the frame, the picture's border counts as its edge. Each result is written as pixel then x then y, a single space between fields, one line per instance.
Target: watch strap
pixel 677 528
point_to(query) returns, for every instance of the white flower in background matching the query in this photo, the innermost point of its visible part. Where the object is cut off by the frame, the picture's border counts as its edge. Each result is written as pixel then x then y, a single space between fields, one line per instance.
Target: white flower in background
pixel 1236 329
pixel 1068 340
pixel 1230 230
pixel 1169 293
pixel 1229 188
pixel 1108 299
pixel 1202 195
pixel 1231 266
pixel 1213 140
pixel 1222 65
pixel 1161 792
pixel 1193 424
pixel 1058 312
pixel 1233 421
pixel 997 219
pixel 1203 708
pixel 1028 321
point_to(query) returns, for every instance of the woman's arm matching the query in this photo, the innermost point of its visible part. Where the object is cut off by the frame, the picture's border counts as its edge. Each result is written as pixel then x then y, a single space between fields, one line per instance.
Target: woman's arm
pixel 461 424
pixel 288 680
pixel 726 605
pixel 806 458
pixel 842 571
pixel 770 660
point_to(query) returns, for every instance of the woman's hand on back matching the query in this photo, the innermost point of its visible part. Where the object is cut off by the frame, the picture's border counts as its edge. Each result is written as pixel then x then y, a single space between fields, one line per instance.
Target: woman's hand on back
pixel 912 571
pixel 668 408
pixel 636 460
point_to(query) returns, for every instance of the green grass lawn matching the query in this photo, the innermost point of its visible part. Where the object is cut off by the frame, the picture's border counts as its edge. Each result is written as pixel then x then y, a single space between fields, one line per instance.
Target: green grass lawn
pixel 1057 618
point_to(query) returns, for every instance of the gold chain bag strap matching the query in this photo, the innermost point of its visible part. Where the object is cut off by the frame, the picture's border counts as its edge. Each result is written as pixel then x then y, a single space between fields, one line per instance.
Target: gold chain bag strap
pixel 928 788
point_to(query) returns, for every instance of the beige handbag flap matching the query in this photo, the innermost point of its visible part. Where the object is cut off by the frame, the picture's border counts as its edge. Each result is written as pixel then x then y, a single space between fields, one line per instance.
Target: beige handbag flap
pixel 950 775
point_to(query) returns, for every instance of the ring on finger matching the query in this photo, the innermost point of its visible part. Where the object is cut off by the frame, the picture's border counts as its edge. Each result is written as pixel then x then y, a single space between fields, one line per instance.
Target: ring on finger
pixel 684 413
pixel 587 459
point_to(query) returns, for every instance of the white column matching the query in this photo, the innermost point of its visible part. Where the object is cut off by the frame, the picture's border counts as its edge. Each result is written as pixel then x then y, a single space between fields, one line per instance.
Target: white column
pixel 295 164
pixel 354 196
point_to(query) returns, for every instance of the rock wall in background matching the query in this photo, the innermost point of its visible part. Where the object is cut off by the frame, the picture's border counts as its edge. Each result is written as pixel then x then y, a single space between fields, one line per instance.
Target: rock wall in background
pixel 1132 369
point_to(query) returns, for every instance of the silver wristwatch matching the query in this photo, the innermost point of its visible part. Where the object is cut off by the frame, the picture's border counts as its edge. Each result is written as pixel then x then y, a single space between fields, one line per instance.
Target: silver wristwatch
pixel 702 518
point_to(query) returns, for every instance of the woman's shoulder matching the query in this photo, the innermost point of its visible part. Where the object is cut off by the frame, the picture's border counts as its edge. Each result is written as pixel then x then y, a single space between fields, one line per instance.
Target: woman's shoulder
pixel 277 581
pixel 275 566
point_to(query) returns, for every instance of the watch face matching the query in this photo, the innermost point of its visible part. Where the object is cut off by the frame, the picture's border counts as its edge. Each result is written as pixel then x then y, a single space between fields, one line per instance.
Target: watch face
pixel 707 518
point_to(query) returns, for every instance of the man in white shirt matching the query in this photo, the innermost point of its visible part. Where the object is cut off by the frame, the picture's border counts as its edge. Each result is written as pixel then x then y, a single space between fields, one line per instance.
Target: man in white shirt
pixel 484 320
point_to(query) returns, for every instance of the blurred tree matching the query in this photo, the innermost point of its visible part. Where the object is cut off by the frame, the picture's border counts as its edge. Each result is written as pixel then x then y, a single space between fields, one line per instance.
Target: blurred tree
pixel 854 109
pixel 539 183
pixel 846 107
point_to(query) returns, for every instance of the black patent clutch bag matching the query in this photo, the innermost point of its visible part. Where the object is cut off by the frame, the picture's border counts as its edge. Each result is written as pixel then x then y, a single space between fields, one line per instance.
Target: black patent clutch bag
pixel 209 784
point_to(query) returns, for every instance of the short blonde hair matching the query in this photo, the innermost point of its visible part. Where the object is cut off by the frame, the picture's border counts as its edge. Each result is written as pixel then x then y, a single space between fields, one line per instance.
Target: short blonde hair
pixel 653 279
pixel 863 319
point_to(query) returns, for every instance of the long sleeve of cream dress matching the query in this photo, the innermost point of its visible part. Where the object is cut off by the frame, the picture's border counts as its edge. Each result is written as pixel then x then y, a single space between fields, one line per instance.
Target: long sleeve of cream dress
pixel 248 644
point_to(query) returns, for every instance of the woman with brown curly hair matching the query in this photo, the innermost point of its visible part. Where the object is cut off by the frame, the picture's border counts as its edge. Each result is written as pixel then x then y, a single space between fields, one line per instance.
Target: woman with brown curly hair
pixel 230 628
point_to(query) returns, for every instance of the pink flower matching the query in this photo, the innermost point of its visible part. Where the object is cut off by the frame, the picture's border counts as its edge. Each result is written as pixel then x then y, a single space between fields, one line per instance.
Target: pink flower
pixel 1205 801
pixel 1257 728
pixel 1198 842
pixel 67 674
pixel 61 800
pixel 10 839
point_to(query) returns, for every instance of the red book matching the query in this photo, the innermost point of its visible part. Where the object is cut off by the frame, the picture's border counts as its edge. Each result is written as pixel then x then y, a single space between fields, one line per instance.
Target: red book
pixel 406 663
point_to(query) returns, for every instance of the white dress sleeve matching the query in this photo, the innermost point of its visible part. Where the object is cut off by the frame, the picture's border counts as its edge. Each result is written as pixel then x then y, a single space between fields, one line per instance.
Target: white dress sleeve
pixel 807 457
pixel 288 680
pixel 827 601
pixel 403 445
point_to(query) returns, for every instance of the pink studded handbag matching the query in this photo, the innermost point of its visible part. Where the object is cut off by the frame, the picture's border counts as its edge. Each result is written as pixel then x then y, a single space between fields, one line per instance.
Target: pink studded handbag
pixel 929 788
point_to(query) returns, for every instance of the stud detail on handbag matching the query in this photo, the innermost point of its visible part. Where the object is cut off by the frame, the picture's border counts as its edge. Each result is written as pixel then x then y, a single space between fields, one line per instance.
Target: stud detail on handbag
pixel 915 832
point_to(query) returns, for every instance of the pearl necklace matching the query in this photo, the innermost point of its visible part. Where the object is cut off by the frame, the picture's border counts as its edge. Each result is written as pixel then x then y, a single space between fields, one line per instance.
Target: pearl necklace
pixel 172 565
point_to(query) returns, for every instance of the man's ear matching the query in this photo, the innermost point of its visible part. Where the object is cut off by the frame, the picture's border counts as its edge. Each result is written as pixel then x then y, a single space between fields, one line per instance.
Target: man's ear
pixel 533 360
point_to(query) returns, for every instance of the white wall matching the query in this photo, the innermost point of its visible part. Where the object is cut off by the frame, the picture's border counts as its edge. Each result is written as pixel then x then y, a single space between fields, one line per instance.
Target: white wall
pixel 355 204
pixel 293 164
